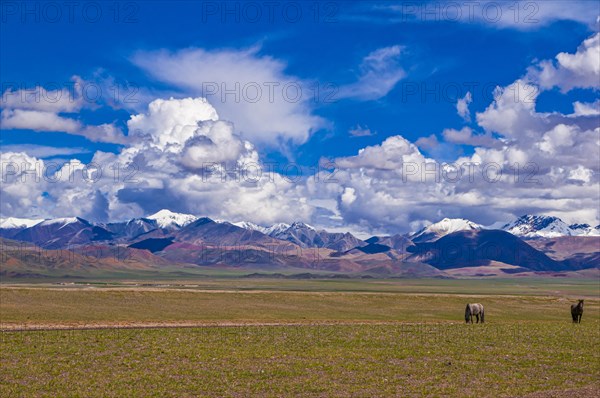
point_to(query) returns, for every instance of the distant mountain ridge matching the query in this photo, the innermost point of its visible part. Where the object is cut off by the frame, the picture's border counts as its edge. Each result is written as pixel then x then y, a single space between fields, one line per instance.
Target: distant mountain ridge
pixel 471 248
pixel 132 228
pixel 534 243
pixel 305 235
pixel 63 233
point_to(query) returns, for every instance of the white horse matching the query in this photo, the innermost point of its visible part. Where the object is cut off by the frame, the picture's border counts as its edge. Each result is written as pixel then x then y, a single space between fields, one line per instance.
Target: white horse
pixel 476 310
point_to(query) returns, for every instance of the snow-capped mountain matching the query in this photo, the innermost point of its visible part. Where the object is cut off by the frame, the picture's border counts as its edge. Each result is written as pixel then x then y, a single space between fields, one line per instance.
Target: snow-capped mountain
pixel 165 224
pixel 62 222
pixel 250 226
pixel 273 230
pixel 530 227
pixel 164 221
pixel 464 249
pixel 305 235
pixel 132 228
pixel 299 233
pixel 63 233
pixel 14 222
pixel 10 226
pixel 442 228
pixel 584 230
pixel 221 233
pixel 277 229
pixel 186 239
pixel 170 220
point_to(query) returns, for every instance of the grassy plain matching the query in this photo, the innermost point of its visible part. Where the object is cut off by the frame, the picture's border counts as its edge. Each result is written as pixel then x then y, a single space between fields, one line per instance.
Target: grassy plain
pixel 314 338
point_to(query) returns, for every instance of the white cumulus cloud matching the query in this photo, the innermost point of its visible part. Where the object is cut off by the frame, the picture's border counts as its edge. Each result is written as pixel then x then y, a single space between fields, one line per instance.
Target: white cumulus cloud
pixel 266 104
pixel 569 71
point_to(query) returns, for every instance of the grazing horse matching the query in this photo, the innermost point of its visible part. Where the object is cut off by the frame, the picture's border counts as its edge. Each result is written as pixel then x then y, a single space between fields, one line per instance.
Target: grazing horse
pixel 476 310
pixel 577 311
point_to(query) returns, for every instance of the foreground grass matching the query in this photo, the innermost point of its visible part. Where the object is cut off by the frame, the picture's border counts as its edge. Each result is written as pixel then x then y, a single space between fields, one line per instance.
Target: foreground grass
pixel 447 359
pixel 355 343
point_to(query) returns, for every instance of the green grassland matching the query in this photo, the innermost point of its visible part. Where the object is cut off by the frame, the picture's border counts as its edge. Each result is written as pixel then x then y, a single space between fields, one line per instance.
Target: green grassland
pixel 88 305
pixel 313 338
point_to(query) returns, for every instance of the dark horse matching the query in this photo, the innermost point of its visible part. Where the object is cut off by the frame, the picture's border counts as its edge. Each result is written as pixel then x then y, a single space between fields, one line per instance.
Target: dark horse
pixel 577 311
pixel 476 310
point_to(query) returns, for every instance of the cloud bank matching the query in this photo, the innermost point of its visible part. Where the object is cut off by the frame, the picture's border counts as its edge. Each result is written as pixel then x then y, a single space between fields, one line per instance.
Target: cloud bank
pixel 185 154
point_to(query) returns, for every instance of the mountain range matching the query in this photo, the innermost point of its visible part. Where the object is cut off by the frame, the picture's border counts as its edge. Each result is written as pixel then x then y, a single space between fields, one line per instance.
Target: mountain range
pixel 529 226
pixel 531 243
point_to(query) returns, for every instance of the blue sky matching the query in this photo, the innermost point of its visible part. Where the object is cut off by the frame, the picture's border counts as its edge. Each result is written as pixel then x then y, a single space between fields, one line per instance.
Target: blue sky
pixel 384 69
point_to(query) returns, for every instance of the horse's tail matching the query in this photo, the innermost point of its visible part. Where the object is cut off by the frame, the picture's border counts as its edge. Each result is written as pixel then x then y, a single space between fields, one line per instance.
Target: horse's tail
pixel 482 314
pixel 467 313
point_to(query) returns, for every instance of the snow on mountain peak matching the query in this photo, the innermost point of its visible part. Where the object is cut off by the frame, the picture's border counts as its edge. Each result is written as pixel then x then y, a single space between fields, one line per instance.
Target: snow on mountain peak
pixel 531 226
pixel 250 226
pixel 301 225
pixel 168 219
pixel 14 222
pixel 443 228
pixel 277 229
pixel 64 221
pixel 584 230
pixel 448 226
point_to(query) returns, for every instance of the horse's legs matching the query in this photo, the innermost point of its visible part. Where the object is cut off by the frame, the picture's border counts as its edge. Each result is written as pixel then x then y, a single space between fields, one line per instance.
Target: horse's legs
pixel 477 316
pixel 580 315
